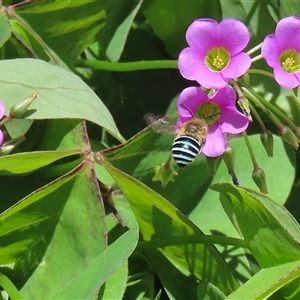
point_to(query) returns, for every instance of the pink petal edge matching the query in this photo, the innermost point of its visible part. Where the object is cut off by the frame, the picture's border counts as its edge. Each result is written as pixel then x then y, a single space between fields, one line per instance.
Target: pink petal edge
pixel 1 138
pixel 2 109
pixel 215 142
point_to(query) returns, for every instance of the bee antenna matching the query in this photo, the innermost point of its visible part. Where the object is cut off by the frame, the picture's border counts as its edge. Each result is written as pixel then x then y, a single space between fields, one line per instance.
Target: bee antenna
pixel 218 113
pixel 188 109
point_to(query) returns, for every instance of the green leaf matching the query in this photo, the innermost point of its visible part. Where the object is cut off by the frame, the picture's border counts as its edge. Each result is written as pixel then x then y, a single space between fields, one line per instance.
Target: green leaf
pixel 174 280
pixel 22 163
pixel 61 94
pixel 142 285
pixel 263 284
pixel 190 192
pixel 24 224
pixel 70 27
pixel 18 127
pixel 64 134
pixel 92 276
pixel 117 43
pixel 289 8
pixel 67 136
pixel 114 287
pixel 170 19
pixel 207 211
pixel 207 291
pixel 78 238
pixel 158 219
pixel 5 31
pixel 23 40
pixel 259 220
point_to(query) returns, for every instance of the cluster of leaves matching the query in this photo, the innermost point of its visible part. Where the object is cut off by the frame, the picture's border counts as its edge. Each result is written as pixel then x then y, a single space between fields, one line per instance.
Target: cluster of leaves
pixel 73 206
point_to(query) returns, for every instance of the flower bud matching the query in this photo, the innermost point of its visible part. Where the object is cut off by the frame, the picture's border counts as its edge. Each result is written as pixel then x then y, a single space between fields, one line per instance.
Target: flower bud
pixel 212 163
pixel 296 130
pixel 229 159
pixel 17 110
pixel 266 139
pixel 244 105
pixel 10 145
pixel 288 136
pixel 259 177
pixel 235 180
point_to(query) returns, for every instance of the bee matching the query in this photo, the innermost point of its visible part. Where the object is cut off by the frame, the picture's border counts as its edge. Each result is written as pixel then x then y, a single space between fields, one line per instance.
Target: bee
pixel 189 140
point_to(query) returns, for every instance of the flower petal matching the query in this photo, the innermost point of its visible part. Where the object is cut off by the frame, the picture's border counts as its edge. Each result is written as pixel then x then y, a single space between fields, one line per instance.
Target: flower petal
pixel 288 32
pixel 271 50
pixel 232 121
pixel 284 79
pixel 191 66
pixel 224 97
pixel 215 142
pixel 190 61
pixel 190 98
pixel 238 66
pixel 234 35
pixel 201 34
pixel 2 109
pixel 211 80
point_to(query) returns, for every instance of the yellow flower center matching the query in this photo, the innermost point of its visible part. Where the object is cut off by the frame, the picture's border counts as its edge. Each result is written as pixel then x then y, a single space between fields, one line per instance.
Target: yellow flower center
pixel 209 111
pixel 290 61
pixel 218 62
pixel 217 59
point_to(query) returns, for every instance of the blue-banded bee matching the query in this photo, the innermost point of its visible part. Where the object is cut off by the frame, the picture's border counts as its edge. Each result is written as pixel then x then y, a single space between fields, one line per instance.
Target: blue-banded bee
pixel 189 140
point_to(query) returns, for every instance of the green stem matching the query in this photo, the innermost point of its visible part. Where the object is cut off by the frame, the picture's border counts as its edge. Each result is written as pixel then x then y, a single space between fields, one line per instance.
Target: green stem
pixel 127 66
pixel 24 3
pixel 9 287
pixel 6 119
pixel 258 118
pixel 191 239
pixel 254 49
pixel 167 163
pixel 260 72
pixel 256 58
pixel 250 150
pixel 267 107
pixel 254 98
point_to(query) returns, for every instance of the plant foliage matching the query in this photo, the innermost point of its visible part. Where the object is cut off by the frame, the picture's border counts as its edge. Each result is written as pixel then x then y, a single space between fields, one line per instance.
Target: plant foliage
pixel 81 217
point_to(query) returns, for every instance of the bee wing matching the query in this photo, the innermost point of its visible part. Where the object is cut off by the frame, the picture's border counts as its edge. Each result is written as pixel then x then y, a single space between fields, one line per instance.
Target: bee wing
pixel 160 125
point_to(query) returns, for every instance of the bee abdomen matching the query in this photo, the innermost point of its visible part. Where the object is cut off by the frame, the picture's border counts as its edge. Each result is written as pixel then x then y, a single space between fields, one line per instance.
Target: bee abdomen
pixel 185 149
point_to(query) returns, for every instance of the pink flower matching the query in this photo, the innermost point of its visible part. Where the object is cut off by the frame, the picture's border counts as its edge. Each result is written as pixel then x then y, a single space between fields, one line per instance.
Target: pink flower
pixel 214 54
pixel 229 120
pixel 2 111
pixel 282 52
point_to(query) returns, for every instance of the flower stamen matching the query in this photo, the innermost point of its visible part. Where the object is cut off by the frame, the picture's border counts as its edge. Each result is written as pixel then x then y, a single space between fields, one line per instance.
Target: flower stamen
pixel 218 63
pixel 217 59
pixel 290 61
